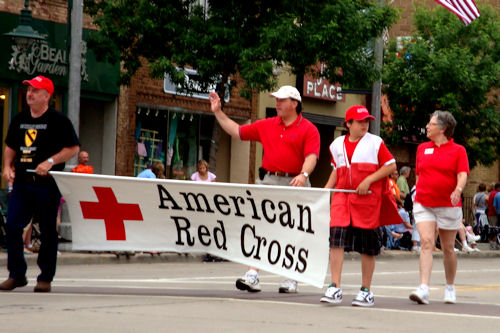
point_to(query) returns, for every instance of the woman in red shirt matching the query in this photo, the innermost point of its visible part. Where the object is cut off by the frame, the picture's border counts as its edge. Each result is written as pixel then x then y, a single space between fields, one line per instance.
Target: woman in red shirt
pixel 442 168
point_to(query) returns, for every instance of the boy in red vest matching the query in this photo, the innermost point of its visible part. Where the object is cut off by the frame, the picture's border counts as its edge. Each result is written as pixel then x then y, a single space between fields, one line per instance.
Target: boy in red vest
pixel 361 162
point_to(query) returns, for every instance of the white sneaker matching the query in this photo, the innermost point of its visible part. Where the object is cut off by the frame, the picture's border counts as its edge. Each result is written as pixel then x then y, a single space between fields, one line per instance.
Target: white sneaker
pixel 420 295
pixel 332 295
pixel 472 238
pixel 467 248
pixel 288 286
pixel 250 282
pixel 364 298
pixel 450 295
pixel 475 249
pixel 415 248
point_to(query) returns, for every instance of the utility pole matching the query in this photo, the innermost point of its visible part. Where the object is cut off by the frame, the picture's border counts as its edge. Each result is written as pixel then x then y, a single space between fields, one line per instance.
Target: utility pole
pixel 377 85
pixel 75 62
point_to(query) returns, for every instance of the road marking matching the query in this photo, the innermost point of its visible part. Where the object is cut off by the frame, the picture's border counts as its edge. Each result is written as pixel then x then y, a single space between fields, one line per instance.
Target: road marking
pixel 230 299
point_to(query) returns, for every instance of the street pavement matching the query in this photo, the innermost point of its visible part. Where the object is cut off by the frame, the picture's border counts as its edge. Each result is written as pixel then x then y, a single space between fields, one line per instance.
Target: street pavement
pixel 69 257
pixel 179 293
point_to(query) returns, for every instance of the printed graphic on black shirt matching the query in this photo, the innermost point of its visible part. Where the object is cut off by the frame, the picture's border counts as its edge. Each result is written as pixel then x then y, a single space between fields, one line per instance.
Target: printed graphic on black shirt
pixel 37 139
pixel 28 151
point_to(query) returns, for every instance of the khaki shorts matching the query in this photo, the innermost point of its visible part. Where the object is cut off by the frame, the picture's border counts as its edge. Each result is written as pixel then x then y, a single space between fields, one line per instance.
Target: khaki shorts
pixel 278 180
pixel 447 218
pixel 493 220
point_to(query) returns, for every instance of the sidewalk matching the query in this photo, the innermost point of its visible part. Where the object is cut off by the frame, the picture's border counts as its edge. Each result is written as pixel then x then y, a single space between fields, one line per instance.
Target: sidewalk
pixel 67 257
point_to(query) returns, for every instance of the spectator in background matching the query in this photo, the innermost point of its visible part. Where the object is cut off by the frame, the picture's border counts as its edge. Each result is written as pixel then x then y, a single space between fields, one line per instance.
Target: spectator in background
pixel 159 170
pixel 480 204
pixel 203 175
pixel 400 234
pixel 402 181
pixel 496 206
pixel 415 236
pixel 83 167
pixel 466 236
pixel 492 212
pixel 394 188
pixel 156 170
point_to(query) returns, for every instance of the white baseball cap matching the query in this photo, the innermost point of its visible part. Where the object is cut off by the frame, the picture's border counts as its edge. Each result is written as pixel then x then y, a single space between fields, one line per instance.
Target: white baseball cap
pixel 287 92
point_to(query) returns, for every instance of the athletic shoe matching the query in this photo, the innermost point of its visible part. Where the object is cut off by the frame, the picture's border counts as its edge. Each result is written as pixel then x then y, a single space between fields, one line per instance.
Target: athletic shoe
pixel 415 248
pixel 333 295
pixel 450 295
pixel 250 282
pixel 288 286
pixel 364 298
pixel 420 295
pixel 475 249
pixel 466 248
pixel 472 238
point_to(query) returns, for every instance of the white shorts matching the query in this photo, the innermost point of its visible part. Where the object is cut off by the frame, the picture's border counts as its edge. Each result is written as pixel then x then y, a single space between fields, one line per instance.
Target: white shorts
pixel 447 218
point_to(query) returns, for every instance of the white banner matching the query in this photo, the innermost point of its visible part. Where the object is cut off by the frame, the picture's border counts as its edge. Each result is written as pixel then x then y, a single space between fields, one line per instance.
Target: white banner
pixel 282 230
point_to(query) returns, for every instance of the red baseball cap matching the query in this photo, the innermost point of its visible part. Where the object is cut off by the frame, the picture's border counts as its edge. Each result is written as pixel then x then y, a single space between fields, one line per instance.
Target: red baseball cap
pixel 41 82
pixel 358 112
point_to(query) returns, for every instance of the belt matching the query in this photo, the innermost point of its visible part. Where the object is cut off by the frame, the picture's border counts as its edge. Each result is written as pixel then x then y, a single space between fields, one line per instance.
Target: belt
pixel 282 174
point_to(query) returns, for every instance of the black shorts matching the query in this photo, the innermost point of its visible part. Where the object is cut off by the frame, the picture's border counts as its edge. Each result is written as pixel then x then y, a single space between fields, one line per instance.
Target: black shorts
pixel 364 241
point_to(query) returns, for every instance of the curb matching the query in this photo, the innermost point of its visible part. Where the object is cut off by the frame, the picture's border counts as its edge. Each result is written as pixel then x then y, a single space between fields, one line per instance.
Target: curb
pixel 93 258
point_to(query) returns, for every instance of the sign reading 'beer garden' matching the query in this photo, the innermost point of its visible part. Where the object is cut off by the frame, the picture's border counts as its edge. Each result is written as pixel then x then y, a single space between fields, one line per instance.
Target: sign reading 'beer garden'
pixel 51 58
pixel 40 58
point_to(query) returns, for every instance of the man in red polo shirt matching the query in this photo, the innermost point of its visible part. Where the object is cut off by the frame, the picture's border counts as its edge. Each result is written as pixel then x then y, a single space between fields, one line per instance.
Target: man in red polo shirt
pixel 291 149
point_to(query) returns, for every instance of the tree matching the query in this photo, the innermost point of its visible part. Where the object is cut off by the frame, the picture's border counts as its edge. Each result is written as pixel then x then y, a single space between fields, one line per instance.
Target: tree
pixel 447 66
pixel 245 38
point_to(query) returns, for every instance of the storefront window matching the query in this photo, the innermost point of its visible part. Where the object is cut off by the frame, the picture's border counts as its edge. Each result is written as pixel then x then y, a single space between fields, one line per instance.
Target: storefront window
pixel 175 139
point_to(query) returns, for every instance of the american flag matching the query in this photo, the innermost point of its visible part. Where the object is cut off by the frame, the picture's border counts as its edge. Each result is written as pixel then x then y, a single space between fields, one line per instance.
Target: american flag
pixel 466 10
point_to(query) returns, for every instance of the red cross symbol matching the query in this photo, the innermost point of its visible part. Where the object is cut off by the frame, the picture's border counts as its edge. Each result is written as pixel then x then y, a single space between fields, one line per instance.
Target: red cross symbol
pixel 112 212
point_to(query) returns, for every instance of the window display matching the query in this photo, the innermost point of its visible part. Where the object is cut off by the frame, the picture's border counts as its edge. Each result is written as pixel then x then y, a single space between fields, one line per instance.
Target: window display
pixel 175 139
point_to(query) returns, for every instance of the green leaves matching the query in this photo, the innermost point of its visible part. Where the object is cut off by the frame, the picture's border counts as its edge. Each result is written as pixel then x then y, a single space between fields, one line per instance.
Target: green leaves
pixel 245 38
pixel 452 67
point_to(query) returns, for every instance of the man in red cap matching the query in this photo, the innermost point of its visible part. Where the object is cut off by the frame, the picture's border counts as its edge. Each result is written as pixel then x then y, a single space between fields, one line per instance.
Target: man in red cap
pixel 361 162
pixel 291 149
pixel 40 139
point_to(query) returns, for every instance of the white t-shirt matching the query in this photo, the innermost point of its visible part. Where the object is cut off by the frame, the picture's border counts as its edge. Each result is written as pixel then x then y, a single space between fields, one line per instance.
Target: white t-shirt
pixel 196 177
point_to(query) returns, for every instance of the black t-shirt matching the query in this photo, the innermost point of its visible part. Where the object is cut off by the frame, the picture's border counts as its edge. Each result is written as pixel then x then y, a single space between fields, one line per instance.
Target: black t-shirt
pixel 37 139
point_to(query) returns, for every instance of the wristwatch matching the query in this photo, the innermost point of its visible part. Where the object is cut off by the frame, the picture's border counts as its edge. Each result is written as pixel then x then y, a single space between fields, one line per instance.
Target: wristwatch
pixel 50 160
pixel 305 173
